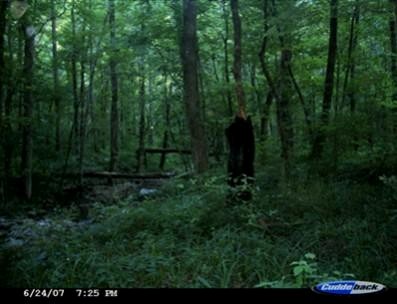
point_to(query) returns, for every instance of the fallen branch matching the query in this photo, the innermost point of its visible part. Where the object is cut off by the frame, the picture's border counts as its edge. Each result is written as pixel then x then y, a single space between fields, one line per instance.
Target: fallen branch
pixel 166 150
pixel 106 174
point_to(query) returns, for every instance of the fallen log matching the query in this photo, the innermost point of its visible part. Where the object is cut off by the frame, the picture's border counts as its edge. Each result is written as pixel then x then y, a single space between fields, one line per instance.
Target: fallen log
pixel 166 151
pixel 106 174
pixel 170 150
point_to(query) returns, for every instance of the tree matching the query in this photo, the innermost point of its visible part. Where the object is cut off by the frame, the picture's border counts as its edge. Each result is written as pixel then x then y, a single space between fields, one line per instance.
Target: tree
pixel 3 7
pixel 226 57
pixel 350 65
pixel 76 102
pixel 27 130
pixel 320 137
pixel 237 65
pixel 283 113
pixel 114 121
pixel 190 86
pixel 55 75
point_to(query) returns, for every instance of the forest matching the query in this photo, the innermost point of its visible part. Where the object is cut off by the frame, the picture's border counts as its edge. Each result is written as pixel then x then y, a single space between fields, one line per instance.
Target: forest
pixel 197 143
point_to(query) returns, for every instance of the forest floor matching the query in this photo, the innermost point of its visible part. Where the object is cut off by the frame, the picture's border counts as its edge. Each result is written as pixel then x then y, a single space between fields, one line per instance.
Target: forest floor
pixel 185 235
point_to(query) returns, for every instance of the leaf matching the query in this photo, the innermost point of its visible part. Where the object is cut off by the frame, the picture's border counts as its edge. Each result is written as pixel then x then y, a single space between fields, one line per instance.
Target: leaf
pixel 18 8
pixel 204 282
pixel 310 256
pixel 298 270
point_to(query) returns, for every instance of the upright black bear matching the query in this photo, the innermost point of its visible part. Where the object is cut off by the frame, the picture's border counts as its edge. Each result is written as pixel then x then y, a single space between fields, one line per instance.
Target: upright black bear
pixel 240 136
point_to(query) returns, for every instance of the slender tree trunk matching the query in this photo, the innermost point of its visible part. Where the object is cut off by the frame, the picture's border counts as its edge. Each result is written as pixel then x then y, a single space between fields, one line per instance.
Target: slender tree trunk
pixel 350 65
pixel 226 57
pixel 283 114
pixel 114 124
pixel 190 85
pixel 76 103
pixel 3 132
pixel 273 92
pixel 264 128
pixel 393 46
pixel 20 60
pixel 237 65
pixel 82 101
pixel 320 137
pixel 27 141
pixel 302 101
pixel 167 122
pixel 3 7
pixel 393 66
pixel 256 94
pixel 8 132
pixel 55 75
pixel 142 123
pixel 200 74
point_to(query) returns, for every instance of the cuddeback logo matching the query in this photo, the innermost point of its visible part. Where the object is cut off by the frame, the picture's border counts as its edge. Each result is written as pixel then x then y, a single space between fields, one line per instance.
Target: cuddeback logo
pixel 349 287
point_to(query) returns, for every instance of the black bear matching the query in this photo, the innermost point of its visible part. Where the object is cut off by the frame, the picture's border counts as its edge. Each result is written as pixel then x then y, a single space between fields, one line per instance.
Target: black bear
pixel 240 136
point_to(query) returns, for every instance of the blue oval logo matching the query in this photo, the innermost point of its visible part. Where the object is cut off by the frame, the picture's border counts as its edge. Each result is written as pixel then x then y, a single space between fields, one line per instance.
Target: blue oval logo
pixel 349 287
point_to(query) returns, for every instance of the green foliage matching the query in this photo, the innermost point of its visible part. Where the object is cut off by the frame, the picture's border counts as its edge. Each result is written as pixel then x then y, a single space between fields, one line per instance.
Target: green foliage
pixel 189 237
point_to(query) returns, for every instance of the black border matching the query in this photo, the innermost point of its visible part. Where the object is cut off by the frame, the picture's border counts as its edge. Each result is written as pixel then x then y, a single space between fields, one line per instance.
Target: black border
pixel 303 295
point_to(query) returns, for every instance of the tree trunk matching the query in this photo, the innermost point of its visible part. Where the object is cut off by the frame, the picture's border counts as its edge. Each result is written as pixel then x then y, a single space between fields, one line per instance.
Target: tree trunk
pixel 27 141
pixel 393 46
pixel 273 92
pixel 76 104
pixel 142 123
pixel 264 128
pixel 393 66
pixel 237 65
pixel 320 137
pixel 3 131
pixel 190 85
pixel 302 101
pixel 114 121
pixel 226 57
pixel 82 101
pixel 8 132
pixel 3 7
pixel 283 114
pixel 167 122
pixel 350 64
pixel 55 76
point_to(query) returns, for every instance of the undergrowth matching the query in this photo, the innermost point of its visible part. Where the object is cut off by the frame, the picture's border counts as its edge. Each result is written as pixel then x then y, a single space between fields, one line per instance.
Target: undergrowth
pixel 188 236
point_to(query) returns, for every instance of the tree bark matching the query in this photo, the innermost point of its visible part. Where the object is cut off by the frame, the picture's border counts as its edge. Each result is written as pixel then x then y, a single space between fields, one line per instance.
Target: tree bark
pixel 284 115
pixel 55 75
pixel 8 131
pixel 350 65
pixel 76 104
pixel 237 65
pixel 226 57
pixel 320 137
pixel 393 66
pixel 82 107
pixel 3 7
pixel 272 90
pixel 167 122
pixel 114 121
pixel 3 131
pixel 27 141
pixel 393 46
pixel 190 85
pixel 142 121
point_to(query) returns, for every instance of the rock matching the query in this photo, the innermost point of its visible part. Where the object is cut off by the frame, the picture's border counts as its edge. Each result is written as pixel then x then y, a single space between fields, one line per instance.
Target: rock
pixel 5 224
pixel 12 242
pixel 145 193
